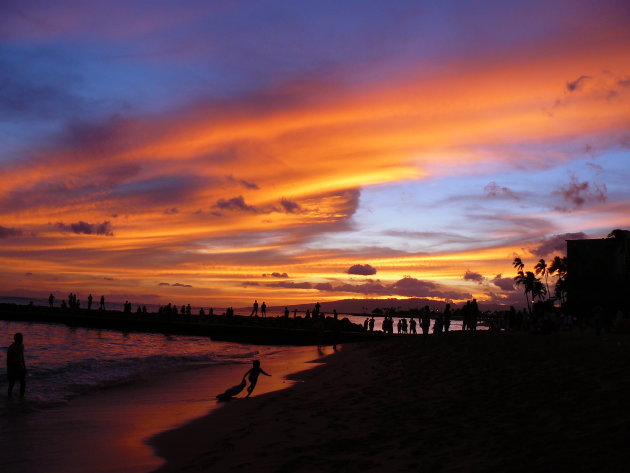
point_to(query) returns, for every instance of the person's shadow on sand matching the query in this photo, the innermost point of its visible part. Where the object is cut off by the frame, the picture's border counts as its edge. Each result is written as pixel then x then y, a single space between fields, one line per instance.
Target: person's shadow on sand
pixel 231 392
pixel 253 374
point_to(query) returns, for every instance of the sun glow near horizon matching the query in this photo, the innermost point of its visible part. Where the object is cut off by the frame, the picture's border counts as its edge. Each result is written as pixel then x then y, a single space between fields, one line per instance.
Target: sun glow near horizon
pixel 252 176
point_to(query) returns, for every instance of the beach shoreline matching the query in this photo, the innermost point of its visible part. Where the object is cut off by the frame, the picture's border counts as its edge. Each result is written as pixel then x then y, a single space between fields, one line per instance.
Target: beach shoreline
pixel 463 402
pixel 107 431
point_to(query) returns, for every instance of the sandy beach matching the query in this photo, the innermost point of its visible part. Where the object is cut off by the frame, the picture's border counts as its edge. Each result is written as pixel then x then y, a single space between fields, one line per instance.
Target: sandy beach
pixel 106 431
pixel 504 402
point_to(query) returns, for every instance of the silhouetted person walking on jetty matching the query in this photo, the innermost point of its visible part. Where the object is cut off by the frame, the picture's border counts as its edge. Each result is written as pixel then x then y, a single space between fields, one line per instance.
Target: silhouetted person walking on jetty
pixel 253 373
pixel 16 366
pixel 263 309
pixel 51 300
pixel 254 309
pixel 102 306
pixel 90 298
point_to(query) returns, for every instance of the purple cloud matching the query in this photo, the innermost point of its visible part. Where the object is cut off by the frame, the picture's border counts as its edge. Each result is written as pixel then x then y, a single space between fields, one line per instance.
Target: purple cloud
pixel 85 228
pixel 362 270
pixel 290 285
pixel 556 243
pixel 496 191
pixel 177 284
pixel 507 284
pixel 289 206
pixel 276 275
pixel 575 194
pixel 234 204
pixel 577 84
pixel 6 232
pixel 472 276
pixel 324 286
pixel 244 183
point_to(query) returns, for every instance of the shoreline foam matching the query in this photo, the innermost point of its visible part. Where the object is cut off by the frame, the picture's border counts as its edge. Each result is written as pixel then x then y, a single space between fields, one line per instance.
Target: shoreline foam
pixel 107 431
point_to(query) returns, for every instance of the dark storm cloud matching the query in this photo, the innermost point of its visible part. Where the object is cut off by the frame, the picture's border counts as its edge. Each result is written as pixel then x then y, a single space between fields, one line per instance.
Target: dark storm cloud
pixel 178 284
pixel 362 269
pixel 85 228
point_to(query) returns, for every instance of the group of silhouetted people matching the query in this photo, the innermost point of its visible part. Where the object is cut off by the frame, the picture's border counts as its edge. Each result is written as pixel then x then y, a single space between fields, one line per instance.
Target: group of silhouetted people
pixel 74 303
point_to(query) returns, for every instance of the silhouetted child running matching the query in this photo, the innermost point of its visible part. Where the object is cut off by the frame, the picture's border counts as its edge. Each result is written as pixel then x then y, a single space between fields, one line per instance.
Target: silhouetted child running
pixel 253 373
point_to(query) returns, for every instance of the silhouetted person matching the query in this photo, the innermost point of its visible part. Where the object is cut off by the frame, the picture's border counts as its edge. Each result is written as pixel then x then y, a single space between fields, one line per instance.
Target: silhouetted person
pixel 446 317
pixel 254 309
pixel 102 306
pixel 474 314
pixel 412 326
pixel 425 320
pixel 316 310
pixel 90 302
pixel 51 300
pixel 372 324
pixel 286 312
pixel 16 366
pixel 263 309
pixel 253 373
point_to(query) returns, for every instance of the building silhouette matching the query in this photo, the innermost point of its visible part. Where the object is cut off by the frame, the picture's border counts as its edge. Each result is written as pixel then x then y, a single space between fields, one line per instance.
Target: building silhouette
pixel 598 273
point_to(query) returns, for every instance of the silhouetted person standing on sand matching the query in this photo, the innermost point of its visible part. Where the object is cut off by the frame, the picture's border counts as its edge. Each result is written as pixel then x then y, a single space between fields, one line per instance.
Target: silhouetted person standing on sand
pixel 474 314
pixel 446 316
pixel 102 306
pixel 254 309
pixel 425 320
pixel 16 367
pixel 253 373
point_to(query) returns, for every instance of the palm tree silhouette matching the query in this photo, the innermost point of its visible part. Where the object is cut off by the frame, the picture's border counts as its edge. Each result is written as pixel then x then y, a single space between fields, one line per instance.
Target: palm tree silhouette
pixel 538 289
pixel 559 266
pixel 541 268
pixel 527 280
pixel 518 264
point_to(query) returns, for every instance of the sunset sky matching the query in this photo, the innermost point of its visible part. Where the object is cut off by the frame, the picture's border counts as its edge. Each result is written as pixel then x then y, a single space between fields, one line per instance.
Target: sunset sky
pixel 217 152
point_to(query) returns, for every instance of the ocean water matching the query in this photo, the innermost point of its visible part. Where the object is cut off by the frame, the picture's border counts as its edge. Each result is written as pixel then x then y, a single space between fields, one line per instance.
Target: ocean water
pixel 64 362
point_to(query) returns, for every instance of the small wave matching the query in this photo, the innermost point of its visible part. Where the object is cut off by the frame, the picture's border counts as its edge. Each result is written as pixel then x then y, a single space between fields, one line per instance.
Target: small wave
pixel 53 385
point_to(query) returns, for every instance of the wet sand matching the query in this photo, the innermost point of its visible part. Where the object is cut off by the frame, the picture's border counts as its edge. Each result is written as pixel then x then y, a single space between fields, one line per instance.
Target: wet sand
pixel 467 402
pixel 107 431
